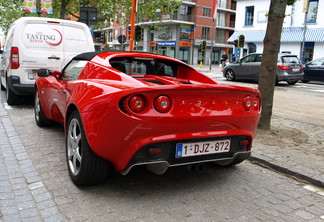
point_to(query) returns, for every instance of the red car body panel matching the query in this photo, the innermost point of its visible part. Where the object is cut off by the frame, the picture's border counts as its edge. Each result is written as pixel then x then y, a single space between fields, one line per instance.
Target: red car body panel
pixel 201 108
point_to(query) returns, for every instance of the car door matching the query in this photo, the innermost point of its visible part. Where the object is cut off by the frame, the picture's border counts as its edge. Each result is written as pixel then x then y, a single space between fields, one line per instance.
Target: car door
pixel 315 70
pixel 245 69
pixel 255 66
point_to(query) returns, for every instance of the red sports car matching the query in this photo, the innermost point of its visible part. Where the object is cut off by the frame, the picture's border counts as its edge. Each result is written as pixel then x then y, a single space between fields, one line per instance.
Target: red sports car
pixel 122 109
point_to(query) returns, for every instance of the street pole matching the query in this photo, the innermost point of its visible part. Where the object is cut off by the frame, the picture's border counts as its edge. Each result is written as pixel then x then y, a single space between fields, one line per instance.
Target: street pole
pixel 211 45
pixel 132 33
pixel 302 54
pixel 38 7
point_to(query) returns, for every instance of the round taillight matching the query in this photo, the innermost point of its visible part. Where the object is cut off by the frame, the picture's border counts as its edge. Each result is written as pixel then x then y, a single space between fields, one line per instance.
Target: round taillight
pixel 256 103
pixel 137 103
pixel 162 104
pixel 247 103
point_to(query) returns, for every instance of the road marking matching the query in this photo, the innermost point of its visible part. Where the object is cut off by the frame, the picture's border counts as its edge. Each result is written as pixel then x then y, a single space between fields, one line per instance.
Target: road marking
pixel 319 90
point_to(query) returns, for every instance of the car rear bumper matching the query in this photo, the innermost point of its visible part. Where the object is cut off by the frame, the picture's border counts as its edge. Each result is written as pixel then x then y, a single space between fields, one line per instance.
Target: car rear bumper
pixel 168 158
pixel 290 77
pixel 18 88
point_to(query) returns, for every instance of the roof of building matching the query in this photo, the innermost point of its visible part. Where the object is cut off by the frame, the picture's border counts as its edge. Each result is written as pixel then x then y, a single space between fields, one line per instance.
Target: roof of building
pixel 294 34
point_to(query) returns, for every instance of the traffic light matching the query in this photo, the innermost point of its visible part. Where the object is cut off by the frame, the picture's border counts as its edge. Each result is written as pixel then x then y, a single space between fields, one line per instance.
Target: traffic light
pixel 241 41
pixel 203 48
pixel 102 37
pixel 138 33
pixel 235 42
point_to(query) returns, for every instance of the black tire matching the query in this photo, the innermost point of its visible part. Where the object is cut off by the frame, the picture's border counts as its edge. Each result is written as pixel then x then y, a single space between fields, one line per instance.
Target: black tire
pixel 230 75
pixel 85 167
pixel 12 98
pixel 277 81
pixel 2 87
pixel 40 118
pixel 305 81
pixel 292 82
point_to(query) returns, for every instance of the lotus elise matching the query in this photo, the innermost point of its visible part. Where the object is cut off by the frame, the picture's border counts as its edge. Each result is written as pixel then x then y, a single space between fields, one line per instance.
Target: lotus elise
pixel 123 109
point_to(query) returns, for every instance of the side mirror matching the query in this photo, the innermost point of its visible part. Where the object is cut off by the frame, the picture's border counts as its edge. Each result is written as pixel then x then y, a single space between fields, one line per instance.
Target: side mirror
pixel 44 73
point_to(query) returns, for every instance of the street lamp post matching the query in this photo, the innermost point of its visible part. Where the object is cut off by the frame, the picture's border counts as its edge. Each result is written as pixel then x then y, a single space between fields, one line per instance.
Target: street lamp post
pixel 132 33
pixel 302 54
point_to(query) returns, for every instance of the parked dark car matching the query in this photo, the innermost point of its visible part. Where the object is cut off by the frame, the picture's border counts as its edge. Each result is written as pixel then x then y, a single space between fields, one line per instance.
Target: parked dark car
pixel 314 70
pixel 248 68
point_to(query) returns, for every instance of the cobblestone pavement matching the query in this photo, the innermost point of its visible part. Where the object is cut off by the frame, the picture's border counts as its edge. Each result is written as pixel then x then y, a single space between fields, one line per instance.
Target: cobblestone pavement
pixel 35 186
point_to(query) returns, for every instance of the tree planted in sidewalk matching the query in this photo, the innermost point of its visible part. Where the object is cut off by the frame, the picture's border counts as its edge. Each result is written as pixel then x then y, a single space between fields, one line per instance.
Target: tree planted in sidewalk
pixel 108 10
pixel 268 67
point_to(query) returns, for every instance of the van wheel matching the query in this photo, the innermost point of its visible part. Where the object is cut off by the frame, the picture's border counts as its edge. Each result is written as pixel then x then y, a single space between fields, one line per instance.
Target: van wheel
pixel 12 98
pixel 2 87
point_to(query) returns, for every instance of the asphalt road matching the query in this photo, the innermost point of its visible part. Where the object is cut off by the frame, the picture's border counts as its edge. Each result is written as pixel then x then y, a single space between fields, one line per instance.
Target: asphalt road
pixel 35 185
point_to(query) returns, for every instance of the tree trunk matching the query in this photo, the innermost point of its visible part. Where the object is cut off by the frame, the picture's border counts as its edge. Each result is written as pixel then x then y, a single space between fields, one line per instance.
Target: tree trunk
pixel 63 9
pixel 269 60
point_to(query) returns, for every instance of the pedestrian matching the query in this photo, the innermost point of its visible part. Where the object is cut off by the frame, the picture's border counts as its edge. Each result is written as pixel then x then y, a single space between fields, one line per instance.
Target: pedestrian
pixel 223 59
pixel 233 58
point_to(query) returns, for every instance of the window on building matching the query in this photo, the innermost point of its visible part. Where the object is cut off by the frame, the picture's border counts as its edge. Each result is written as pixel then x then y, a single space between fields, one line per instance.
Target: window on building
pixel 110 39
pixel 205 33
pixel 220 36
pixel 312 11
pixel 183 10
pixel 115 33
pixel 249 14
pixel 221 19
pixel 222 3
pixel 207 12
pixel 308 51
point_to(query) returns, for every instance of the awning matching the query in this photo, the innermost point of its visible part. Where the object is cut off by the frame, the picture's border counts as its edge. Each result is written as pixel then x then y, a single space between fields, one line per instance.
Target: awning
pixel 287 35
pixel 250 36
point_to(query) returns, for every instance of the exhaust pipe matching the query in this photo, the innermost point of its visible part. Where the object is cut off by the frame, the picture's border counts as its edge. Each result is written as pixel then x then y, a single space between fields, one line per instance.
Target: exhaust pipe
pixel 194 167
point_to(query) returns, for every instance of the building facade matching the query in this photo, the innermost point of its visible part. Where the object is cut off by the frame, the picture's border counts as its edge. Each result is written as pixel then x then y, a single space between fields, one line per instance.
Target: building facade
pixel 302 33
pixel 181 33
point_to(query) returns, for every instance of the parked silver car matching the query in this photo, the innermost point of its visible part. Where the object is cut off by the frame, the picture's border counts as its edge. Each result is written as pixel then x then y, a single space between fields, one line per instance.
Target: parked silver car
pixel 248 68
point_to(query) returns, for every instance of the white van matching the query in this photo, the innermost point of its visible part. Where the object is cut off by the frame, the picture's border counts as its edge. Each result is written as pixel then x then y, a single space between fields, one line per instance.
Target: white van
pixel 33 43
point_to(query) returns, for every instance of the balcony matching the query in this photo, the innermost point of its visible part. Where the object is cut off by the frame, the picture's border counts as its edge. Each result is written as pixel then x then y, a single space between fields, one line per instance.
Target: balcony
pixel 168 17
pixel 227 7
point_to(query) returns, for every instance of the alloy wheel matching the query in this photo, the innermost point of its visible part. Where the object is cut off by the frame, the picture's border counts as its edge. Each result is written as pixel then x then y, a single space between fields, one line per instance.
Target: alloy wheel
pixel 74 146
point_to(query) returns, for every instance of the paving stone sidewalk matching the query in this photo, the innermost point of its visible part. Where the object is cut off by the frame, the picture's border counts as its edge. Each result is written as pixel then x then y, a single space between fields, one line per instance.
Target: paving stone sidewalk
pixel 23 194
pixel 304 161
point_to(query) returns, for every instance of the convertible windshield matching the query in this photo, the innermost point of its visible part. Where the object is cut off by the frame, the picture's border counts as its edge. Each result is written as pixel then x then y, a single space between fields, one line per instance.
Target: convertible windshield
pixel 144 66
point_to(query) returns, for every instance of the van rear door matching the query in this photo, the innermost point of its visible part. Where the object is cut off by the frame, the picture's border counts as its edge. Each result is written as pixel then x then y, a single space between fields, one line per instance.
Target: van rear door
pixel 42 45
pixel 77 39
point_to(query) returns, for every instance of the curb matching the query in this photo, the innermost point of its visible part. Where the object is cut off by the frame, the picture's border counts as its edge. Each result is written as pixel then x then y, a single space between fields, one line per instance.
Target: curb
pixel 264 163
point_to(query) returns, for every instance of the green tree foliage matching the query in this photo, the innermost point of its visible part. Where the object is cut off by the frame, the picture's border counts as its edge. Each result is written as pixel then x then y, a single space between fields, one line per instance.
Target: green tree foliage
pixel 110 10
pixel 10 10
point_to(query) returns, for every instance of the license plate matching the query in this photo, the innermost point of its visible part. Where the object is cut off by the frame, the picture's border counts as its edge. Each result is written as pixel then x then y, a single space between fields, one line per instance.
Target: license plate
pixel 202 148
pixel 296 69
